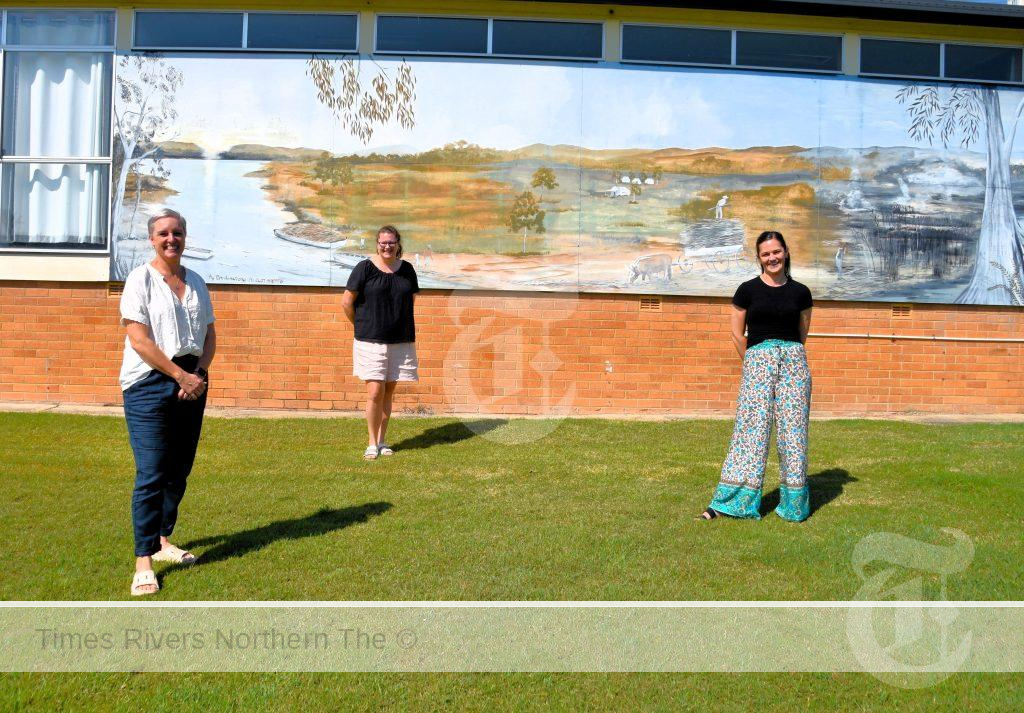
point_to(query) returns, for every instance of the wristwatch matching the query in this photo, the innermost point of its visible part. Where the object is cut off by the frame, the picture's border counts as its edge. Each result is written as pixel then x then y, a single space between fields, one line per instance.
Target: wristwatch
pixel 203 374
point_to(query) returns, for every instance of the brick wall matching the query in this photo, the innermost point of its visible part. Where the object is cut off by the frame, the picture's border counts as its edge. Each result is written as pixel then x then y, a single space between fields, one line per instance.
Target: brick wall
pixel 522 353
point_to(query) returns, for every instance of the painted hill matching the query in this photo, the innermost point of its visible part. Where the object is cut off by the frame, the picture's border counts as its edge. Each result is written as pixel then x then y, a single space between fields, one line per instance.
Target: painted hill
pixel 180 149
pixel 261 152
pixel 755 160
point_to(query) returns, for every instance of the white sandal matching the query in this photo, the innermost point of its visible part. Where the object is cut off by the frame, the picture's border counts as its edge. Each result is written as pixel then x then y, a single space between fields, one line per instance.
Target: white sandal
pixel 371 453
pixel 385 450
pixel 146 578
pixel 175 555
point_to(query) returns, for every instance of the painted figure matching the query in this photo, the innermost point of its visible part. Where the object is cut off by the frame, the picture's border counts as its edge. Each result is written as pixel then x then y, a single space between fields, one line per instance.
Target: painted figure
pixel 170 344
pixel 378 300
pixel 775 312
pixel 719 207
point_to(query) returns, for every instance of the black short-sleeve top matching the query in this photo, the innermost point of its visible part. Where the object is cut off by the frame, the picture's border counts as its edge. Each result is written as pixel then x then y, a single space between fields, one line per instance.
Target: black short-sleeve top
pixel 772 312
pixel 384 303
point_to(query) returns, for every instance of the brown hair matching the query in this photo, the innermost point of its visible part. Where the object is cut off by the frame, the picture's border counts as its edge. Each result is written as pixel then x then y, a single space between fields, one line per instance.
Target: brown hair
pixel 764 238
pixel 392 230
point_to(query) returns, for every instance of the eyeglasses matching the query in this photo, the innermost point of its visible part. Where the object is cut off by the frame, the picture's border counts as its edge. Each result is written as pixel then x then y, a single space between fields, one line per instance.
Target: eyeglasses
pixel 386 245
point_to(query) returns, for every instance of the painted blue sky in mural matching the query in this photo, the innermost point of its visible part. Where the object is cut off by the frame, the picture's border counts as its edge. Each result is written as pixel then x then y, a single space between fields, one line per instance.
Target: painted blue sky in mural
pixel 508 105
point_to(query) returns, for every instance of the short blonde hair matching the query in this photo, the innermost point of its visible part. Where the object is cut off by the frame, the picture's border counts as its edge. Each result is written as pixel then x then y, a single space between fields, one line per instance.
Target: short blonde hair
pixel 166 213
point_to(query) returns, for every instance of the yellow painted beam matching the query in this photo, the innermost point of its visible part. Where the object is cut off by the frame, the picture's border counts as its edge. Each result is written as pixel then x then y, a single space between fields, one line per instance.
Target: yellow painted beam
pixel 702 18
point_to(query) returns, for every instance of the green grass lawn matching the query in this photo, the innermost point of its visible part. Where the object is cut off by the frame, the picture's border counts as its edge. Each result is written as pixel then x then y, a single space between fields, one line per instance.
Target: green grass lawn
pixel 288 510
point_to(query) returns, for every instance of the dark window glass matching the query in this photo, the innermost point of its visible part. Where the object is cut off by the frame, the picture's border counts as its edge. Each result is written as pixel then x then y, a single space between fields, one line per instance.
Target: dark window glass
pixel 531 38
pixel 676 44
pixel 914 59
pixel 188 29
pixel 789 51
pixel 431 34
pixel 998 64
pixel 275 30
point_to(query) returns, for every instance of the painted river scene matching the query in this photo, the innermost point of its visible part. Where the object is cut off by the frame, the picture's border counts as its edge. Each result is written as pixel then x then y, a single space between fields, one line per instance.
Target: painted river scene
pixel 567 178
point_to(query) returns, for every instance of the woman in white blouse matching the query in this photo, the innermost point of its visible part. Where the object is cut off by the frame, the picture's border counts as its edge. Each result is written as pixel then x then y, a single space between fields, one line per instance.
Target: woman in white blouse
pixel 170 343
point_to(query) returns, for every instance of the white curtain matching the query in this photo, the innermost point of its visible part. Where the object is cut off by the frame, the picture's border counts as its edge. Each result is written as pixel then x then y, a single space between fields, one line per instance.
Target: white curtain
pixel 57 203
pixel 56 106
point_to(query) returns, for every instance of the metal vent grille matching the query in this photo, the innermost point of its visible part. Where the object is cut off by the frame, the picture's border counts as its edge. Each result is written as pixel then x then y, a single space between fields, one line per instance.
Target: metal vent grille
pixel 650 304
pixel 901 311
pixel 115 289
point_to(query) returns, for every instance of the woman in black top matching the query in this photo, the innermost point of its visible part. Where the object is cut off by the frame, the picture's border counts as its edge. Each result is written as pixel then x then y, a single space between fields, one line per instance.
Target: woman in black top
pixel 378 301
pixel 774 311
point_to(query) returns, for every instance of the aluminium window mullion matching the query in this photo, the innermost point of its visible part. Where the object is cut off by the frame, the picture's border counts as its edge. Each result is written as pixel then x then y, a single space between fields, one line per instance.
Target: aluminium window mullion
pixel 58 159
pixel 942 60
pixel 245 30
pixel 732 48
pixel 490 35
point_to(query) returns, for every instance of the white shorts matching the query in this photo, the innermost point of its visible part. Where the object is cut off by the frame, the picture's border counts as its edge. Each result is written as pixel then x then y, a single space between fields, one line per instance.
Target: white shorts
pixel 384 362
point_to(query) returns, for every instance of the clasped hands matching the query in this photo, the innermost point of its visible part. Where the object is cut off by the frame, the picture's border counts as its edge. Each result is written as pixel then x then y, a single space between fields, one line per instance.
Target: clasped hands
pixel 192 386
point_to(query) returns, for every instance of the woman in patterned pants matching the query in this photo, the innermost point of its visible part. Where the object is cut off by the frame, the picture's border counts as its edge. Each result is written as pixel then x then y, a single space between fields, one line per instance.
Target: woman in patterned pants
pixel 770 319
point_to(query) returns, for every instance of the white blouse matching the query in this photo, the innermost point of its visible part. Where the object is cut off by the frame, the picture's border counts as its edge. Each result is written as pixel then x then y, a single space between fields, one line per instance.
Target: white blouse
pixel 178 327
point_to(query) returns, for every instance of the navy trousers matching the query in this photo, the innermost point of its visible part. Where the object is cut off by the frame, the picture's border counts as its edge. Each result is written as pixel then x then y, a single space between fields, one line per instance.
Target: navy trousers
pixel 164 433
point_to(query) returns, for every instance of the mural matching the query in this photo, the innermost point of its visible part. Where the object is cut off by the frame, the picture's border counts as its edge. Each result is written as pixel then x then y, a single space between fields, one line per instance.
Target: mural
pixel 557 177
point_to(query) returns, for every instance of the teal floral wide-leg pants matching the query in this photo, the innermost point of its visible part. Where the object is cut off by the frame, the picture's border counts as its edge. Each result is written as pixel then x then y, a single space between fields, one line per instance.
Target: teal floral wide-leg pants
pixel 776 387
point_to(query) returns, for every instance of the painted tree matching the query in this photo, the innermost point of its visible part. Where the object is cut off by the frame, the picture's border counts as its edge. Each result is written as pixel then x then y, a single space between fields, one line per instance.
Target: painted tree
pixel 328 169
pixel 360 110
pixel 634 192
pixel 544 177
pixel 144 116
pixel 965 112
pixel 526 215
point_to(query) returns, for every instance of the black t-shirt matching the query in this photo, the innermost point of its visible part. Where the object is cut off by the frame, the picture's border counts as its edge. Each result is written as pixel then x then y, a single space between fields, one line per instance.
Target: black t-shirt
pixel 772 312
pixel 384 303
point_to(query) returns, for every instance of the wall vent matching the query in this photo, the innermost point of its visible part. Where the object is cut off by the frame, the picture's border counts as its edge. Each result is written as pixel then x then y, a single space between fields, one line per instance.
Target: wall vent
pixel 650 304
pixel 115 289
pixel 901 311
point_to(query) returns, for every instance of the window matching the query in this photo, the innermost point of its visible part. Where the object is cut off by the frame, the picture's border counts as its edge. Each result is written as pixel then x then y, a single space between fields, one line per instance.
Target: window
pixel 676 45
pixel 664 44
pixel 431 35
pixel 779 50
pixel 994 64
pixel 55 143
pixel 536 38
pixel 188 30
pixel 909 59
pixel 297 31
pixel 273 31
pixel 408 34
pixel 941 60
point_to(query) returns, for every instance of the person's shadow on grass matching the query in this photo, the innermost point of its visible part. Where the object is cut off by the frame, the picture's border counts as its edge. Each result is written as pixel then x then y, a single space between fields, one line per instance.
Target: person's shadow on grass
pixel 825 487
pixel 237 544
pixel 450 433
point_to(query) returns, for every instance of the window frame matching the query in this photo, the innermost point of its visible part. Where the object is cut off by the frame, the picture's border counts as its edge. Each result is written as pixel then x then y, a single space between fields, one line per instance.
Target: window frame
pixel 108 161
pixel 941 77
pixel 490 37
pixel 244 47
pixel 733 63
